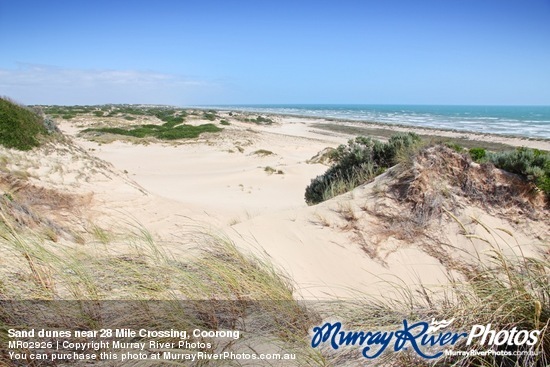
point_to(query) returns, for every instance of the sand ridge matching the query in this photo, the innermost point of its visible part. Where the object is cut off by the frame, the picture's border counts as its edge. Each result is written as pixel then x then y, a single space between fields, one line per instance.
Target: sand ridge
pixel 221 181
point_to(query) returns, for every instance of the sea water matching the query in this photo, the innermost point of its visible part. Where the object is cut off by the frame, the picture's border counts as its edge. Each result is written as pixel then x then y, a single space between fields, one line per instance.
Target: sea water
pixel 526 121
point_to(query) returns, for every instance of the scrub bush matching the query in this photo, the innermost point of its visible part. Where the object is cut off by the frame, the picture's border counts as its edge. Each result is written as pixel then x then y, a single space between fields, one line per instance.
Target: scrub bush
pixel 20 127
pixel 477 154
pixel 356 163
pixel 531 163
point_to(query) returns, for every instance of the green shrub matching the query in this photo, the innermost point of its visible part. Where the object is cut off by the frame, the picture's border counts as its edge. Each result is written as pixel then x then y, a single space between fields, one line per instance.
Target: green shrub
pixel 454 146
pixel 187 131
pixel 169 116
pixel 359 161
pixel 530 163
pixel 477 154
pixel 163 132
pixel 20 128
pixel 260 120
pixel 171 121
pixel 210 115
pixel 224 122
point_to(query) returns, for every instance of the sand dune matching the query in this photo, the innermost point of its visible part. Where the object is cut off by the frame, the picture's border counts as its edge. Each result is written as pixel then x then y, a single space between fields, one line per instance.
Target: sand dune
pixel 220 182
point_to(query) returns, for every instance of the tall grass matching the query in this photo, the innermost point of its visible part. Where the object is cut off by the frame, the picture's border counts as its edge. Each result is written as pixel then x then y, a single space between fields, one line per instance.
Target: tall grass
pixel 502 287
pixel 217 288
pixel 220 287
pixel 341 184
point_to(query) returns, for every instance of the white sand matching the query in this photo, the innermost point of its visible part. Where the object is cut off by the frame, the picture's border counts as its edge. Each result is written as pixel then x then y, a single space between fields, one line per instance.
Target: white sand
pixel 212 183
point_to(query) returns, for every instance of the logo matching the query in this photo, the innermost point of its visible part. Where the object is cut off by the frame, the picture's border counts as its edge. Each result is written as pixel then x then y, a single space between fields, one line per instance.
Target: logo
pixel 438 325
pixel 419 337
pixel 515 337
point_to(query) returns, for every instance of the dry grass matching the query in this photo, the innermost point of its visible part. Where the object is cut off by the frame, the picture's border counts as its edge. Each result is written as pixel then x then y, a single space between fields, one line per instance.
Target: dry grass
pixel 321 220
pixel 263 152
pixel 217 286
pixel 347 212
pixel 502 287
pixel 438 177
pixel 220 288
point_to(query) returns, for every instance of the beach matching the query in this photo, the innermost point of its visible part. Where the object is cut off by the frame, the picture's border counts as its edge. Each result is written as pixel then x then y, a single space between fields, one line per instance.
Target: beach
pixel 249 181
pixel 283 184
pixel 111 233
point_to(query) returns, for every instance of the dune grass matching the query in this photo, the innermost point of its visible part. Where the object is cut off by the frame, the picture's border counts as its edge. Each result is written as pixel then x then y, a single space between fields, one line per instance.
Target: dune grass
pixel 220 287
pixel 263 152
pixel 217 288
pixel 502 287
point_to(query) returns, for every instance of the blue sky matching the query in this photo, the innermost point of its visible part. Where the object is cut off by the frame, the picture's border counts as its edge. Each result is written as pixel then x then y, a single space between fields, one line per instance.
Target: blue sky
pixel 250 52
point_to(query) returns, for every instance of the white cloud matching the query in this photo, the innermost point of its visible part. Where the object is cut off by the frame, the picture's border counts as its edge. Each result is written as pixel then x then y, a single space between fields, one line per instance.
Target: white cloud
pixel 39 84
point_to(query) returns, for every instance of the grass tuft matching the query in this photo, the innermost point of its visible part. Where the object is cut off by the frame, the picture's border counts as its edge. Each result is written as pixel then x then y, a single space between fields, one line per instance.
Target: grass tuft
pixel 263 152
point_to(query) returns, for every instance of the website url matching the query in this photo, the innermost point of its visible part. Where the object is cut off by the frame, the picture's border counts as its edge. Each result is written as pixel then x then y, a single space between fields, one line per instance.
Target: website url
pixel 490 352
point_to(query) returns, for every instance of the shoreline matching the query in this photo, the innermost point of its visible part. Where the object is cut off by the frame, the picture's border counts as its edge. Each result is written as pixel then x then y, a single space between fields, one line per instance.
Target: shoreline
pixel 384 130
pixel 370 120
pixel 247 183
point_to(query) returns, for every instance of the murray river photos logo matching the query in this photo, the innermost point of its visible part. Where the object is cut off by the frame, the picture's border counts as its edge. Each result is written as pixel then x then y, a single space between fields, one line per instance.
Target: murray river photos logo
pixel 426 339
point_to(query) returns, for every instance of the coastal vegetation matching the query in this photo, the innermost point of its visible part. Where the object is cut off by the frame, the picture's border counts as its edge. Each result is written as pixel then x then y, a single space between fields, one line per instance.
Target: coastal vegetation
pixel 263 152
pixel 129 112
pixel 358 162
pixel 386 133
pixel 217 286
pixel 503 290
pixel 168 131
pixel 20 127
pixel 363 158
pixel 172 128
pixel 223 288
pixel 533 164
pixel 259 120
pixel 210 115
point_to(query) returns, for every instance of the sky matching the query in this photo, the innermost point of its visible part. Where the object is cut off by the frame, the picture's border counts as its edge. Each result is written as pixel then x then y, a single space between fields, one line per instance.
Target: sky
pixel 208 52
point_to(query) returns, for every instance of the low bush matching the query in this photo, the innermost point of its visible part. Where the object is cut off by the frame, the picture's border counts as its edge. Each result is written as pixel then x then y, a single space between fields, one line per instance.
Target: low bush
pixel 20 128
pixel 260 120
pixel 209 115
pixel 455 146
pixel 534 164
pixel 477 154
pixel 359 161
pixel 163 132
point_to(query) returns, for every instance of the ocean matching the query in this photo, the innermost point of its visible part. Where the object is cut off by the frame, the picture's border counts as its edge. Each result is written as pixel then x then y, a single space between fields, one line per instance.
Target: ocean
pixel 525 121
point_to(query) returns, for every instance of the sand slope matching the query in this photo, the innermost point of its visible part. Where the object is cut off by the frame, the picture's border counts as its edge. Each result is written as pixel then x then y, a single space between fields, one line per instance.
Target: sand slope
pixel 361 243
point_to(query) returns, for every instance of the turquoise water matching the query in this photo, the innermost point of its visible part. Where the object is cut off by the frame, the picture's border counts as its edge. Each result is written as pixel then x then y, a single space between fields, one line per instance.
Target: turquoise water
pixel 528 121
